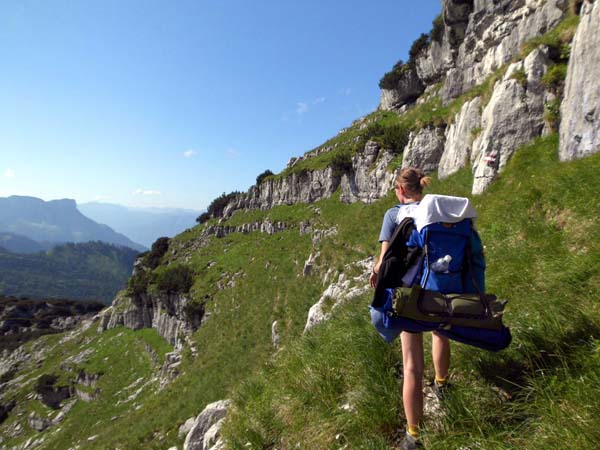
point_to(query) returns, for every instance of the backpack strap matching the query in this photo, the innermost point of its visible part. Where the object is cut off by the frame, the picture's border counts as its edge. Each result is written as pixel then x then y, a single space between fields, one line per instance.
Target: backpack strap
pixel 426 257
pixel 469 262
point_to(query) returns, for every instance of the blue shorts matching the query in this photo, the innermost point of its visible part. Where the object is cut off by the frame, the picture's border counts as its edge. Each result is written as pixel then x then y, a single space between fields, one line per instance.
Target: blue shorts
pixel 390 332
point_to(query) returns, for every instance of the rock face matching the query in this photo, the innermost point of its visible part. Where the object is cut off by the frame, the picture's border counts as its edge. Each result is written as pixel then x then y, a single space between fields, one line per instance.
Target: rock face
pixel 477 38
pixel 367 180
pixel 495 33
pixel 512 118
pixel 275 337
pixel 303 187
pixel 370 178
pixel 424 149
pixel 408 89
pixel 459 138
pixel 169 314
pixel 580 109
pixel 337 293
pixel 202 431
pixel 38 423
pixel 265 226
pixel 441 53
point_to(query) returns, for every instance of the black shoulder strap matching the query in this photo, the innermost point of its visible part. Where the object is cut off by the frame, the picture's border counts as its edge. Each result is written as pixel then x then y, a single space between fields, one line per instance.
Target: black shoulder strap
pixel 469 265
pixel 400 236
pixel 394 262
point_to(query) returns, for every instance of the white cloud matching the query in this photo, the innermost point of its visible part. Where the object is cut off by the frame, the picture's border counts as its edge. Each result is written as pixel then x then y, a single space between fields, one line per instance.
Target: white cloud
pixel 9 173
pixel 232 153
pixel 189 153
pixel 99 198
pixel 146 192
pixel 302 108
pixel 346 91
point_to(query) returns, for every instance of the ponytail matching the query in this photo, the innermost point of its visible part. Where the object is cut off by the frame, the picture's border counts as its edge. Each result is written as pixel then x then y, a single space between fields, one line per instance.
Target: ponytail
pixel 413 180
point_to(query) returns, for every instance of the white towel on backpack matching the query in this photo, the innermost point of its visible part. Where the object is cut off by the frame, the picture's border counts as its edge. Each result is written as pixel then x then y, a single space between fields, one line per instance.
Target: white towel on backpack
pixel 442 208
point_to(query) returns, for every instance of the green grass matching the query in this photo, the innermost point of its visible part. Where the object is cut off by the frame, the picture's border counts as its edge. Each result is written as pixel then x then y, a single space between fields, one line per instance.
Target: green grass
pixel 119 356
pixel 558 38
pixel 346 143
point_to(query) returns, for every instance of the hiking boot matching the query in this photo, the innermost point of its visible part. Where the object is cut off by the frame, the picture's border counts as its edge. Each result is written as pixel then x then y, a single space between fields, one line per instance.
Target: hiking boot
pixel 440 390
pixel 410 443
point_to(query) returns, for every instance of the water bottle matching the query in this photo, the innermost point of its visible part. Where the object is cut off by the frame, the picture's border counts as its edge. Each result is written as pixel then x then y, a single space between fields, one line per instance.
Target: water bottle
pixel 442 264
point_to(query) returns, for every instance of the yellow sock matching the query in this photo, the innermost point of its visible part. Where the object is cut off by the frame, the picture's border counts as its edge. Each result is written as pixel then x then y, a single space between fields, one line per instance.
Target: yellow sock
pixel 441 380
pixel 413 430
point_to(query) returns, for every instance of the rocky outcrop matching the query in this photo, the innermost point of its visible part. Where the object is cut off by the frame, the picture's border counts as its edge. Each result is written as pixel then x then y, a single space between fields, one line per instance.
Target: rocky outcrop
pixel 171 368
pixel 496 31
pixel 173 316
pixel 370 178
pixel 408 88
pixel 367 180
pixel 50 393
pixel 275 337
pixel 339 292
pixel 580 109
pixel 476 38
pixel 38 423
pixel 309 264
pixel 185 428
pixel 512 118
pixel 424 149
pixel 203 434
pixel 441 52
pixel 459 138
pixel 88 381
pixel 301 187
pixel 25 319
pixel 266 226
pixel 319 235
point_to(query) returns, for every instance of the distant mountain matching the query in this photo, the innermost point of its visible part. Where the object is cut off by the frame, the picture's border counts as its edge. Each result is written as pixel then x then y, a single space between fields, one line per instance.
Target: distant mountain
pixel 143 225
pixel 84 271
pixel 20 244
pixel 55 221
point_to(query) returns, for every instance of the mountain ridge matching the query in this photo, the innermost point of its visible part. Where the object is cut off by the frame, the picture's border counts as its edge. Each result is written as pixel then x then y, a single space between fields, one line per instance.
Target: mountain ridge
pixel 55 221
pixel 143 225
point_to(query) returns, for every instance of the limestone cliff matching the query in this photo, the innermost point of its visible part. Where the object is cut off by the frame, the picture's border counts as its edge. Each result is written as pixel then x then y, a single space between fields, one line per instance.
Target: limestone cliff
pixel 367 180
pixel 480 38
pixel 580 111
pixel 170 314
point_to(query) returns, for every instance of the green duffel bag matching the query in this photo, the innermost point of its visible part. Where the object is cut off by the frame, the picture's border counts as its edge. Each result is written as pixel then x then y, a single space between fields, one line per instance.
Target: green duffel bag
pixel 466 310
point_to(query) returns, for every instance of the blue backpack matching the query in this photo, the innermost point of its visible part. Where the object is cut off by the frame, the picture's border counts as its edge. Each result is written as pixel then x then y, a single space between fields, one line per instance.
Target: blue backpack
pixel 453 259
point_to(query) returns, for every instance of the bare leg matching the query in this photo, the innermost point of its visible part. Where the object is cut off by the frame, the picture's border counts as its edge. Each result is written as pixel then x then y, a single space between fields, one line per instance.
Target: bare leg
pixel 440 351
pixel 412 389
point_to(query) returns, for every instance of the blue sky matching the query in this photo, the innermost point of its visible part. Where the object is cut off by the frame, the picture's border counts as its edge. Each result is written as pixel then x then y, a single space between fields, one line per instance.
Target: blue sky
pixel 171 103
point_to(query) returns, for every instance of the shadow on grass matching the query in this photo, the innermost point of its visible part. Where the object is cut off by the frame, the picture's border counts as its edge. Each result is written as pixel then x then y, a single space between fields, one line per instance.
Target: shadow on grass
pixel 540 351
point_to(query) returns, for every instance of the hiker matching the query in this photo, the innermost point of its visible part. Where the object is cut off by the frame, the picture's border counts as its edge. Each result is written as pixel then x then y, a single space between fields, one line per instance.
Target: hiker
pixel 408 187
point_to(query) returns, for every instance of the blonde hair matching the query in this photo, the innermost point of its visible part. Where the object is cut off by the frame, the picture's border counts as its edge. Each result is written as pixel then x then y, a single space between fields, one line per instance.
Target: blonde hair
pixel 413 180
